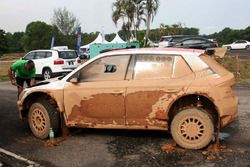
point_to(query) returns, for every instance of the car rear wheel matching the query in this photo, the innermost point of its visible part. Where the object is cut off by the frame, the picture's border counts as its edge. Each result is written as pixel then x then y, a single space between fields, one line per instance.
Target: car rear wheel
pixel 192 128
pixel 43 116
pixel 248 47
pixel 47 73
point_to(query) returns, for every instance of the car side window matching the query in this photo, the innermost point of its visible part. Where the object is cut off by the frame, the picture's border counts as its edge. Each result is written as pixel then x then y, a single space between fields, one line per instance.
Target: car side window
pixel 29 56
pixel 181 69
pixel 40 55
pixel 241 41
pixel 193 41
pixel 48 54
pixel 153 67
pixel 188 42
pixel 112 68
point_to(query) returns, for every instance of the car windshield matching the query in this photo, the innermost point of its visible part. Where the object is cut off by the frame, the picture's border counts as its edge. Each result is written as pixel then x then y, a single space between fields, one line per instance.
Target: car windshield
pixel 67 54
pixel 62 76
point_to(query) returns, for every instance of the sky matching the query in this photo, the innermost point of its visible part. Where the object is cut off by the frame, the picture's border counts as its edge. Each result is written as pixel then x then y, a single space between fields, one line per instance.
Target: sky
pixel 95 15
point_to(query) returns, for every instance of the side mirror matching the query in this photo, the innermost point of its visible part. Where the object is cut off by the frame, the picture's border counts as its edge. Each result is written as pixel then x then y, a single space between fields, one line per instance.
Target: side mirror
pixel 110 68
pixel 73 80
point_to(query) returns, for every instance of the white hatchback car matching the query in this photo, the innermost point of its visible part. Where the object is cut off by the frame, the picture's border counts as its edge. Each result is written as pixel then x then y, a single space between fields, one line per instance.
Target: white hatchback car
pixel 51 63
pixel 240 44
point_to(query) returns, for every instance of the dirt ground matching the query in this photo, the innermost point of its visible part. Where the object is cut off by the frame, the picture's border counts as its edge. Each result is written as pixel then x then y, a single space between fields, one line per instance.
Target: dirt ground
pixel 89 147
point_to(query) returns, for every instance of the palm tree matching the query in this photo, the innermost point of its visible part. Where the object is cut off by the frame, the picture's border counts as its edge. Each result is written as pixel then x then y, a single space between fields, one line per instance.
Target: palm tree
pixel 131 12
pixel 139 15
pixel 118 12
pixel 151 8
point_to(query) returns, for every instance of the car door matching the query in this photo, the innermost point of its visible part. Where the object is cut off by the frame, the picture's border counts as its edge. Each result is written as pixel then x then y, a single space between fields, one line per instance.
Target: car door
pixel 156 80
pixel 239 44
pixel 39 60
pixel 97 99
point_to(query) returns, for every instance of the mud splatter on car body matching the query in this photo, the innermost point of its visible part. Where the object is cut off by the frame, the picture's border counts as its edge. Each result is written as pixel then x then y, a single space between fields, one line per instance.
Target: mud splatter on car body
pixel 145 103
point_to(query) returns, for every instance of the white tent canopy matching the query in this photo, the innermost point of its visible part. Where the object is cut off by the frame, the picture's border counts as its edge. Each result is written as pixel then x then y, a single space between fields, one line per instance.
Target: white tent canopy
pixel 117 39
pixel 99 40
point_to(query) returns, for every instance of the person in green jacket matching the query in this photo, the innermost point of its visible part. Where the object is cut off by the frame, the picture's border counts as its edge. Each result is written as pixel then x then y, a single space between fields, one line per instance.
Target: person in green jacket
pixel 22 71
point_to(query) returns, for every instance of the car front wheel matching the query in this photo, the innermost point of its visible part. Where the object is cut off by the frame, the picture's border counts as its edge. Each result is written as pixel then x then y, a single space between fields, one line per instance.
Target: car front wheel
pixel 248 47
pixel 43 116
pixel 192 128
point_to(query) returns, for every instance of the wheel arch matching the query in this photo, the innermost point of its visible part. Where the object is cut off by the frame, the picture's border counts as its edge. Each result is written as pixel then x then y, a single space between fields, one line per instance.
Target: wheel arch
pixel 46 67
pixel 36 96
pixel 194 100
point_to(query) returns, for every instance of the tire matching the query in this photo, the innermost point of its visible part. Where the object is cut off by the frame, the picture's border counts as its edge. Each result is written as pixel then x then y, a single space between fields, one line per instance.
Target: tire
pixel 43 116
pixel 192 128
pixel 229 48
pixel 47 73
pixel 248 47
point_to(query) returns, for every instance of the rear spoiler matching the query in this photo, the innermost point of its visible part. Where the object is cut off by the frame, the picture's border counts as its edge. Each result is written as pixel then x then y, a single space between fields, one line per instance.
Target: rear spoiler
pixel 216 52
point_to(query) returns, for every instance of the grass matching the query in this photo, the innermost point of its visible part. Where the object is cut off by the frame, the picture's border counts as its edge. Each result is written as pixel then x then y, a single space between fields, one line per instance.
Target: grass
pixel 230 63
pixel 11 56
pixel 4 66
pixel 5 61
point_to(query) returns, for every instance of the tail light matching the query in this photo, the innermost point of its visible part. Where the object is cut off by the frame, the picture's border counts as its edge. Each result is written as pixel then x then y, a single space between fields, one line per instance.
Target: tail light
pixel 58 62
pixel 79 61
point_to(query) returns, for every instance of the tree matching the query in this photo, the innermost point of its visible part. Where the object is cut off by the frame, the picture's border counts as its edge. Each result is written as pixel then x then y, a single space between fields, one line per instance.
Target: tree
pixel 3 42
pixel 131 12
pixel 38 35
pixel 177 29
pixel 151 8
pixel 65 21
pixel 15 42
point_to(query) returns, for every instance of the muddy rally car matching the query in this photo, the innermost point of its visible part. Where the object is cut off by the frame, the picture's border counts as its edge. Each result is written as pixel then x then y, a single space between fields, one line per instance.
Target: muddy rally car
pixel 183 91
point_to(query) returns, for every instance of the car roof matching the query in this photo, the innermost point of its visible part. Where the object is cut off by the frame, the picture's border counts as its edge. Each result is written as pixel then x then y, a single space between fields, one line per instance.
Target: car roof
pixel 49 50
pixel 174 51
pixel 177 36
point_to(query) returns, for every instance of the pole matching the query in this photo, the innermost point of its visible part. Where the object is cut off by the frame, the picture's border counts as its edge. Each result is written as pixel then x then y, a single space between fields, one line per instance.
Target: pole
pixel 78 39
pixel 52 41
pixel 237 65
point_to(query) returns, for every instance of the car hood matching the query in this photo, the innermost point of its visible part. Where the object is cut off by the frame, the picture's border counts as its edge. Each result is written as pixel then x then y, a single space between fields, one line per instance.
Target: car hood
pixel 43 86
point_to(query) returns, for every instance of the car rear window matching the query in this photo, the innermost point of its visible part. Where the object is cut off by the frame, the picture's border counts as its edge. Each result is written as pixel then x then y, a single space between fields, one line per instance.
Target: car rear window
pixel 214 65
pixel 67 54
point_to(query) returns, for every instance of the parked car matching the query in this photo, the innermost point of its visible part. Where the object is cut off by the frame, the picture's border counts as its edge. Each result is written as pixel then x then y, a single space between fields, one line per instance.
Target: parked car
pixel 51 63
pixel 169 41
pixel 183 91
pixel 240 44
pixel 196 43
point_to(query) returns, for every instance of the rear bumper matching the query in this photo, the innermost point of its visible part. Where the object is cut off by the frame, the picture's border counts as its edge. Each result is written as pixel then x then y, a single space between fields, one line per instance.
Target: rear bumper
pixel 229 108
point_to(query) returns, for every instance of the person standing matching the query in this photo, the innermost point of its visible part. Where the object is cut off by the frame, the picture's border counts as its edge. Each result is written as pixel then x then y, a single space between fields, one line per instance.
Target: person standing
pixel 22 71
